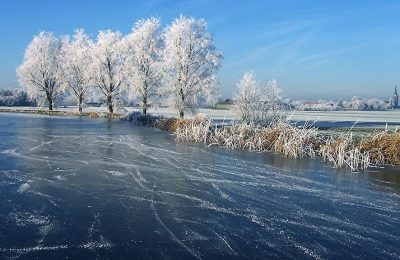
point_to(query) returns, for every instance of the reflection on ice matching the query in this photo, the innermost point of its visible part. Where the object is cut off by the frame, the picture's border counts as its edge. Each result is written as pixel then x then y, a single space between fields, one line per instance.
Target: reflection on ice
pixel 94 188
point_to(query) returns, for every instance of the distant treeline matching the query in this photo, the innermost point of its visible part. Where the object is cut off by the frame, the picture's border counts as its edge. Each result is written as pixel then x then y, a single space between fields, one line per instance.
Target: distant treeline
pixel 15 97
pixel 356 104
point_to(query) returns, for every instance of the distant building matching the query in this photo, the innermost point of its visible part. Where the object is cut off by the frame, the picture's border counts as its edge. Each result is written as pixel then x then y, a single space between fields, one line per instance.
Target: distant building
pixel 395 98
pixel 225 105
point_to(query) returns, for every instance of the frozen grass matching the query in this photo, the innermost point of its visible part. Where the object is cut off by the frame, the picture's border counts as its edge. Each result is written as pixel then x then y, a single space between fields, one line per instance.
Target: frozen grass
pixel 345 150
pixel 280 137
pixel 383 147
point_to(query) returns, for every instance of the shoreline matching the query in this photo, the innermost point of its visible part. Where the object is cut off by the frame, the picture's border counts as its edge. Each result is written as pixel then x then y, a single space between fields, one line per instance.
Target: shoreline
pixel 92 114
pixel 357 149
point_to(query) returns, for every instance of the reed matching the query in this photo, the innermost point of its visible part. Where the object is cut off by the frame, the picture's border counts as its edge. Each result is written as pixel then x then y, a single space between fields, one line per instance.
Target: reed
pixel 280 136
pixel 383 147
pixel 292 141
pixel 345 151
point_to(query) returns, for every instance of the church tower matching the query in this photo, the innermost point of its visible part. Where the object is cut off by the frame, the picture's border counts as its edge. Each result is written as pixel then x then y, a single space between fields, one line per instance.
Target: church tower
pixel 395 98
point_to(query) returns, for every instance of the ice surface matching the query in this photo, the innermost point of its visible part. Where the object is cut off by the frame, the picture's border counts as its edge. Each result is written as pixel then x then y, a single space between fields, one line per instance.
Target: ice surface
pixel 93 188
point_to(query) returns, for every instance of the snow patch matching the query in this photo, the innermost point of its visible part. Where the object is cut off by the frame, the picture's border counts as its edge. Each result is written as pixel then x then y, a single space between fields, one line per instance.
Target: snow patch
pixel 116 173
pixel 23 188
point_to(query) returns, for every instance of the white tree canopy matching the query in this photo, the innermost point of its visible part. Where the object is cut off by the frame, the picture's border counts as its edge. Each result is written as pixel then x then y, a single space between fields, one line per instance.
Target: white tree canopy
pixel 273 97
pixel 75 62
pixel 253 101
pixel 190 63
pixel 247 98
pixel 107 70
pixel 40 70
pixel 142 65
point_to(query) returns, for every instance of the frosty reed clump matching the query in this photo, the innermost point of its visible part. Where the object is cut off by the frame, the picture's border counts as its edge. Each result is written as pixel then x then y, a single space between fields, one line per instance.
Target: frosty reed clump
pixel 282 137
pixel 383 147
pixel 345 151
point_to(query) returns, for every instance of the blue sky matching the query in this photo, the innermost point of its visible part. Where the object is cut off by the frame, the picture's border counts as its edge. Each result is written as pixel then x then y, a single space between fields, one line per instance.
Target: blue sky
pixel 315 49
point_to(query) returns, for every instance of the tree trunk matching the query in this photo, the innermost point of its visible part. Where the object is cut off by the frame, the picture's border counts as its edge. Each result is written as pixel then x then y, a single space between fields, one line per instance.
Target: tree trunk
pixel 181 111
pixel 144 106
pixel 80 100
pixel 50 101
pixel 110 105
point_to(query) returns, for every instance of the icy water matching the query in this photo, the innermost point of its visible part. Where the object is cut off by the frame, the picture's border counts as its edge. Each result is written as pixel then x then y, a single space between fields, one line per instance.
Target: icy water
pixel 92 188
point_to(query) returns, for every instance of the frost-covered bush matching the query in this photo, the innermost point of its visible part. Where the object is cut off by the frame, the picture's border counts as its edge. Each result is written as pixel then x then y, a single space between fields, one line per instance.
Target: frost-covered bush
pixel 257 104
pixel 320 105
pixel 15 97
pixel 248 99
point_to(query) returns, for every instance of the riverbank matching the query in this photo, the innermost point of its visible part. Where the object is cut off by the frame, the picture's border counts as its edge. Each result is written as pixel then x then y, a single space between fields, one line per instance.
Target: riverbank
pixel 356 148
pixel 60 112
pixel 322 119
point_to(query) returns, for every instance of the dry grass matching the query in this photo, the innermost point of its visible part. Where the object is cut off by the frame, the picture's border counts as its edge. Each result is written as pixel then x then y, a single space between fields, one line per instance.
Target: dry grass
pixel 345 151
pixel 280 136
pixel 295 142
pixel 171 124
pixel 94 114
pixel 383 147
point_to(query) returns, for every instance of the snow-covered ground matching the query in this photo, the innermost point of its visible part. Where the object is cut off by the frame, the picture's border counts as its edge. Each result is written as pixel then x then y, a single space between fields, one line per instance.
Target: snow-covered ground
pixel 371 118
pixel 390 116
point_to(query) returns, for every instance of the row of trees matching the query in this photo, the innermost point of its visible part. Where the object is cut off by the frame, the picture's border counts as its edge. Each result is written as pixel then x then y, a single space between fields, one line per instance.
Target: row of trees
pixel 356 104
pixel 258 103
pixel 179 62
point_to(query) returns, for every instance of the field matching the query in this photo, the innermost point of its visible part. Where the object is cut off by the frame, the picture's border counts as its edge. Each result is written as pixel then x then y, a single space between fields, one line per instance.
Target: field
pixel 323 119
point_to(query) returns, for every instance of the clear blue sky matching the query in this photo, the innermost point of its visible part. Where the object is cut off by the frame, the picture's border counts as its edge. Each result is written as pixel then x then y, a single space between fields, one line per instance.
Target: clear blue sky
pixel 314 48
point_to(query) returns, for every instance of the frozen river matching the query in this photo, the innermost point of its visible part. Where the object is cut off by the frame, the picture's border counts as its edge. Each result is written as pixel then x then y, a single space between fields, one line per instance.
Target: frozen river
pixel 92 188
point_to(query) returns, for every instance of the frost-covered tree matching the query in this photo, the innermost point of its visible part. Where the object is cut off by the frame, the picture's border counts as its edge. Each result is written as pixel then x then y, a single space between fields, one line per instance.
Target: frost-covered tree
pixel 377 104
pixel 190 63
pixel 358 104
pixel 273 96
pixel 144 46
pixel 15 97
pixel 248 98
pixel 40 70
pixel 75 62
pixel 253 101
pixel 107 67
